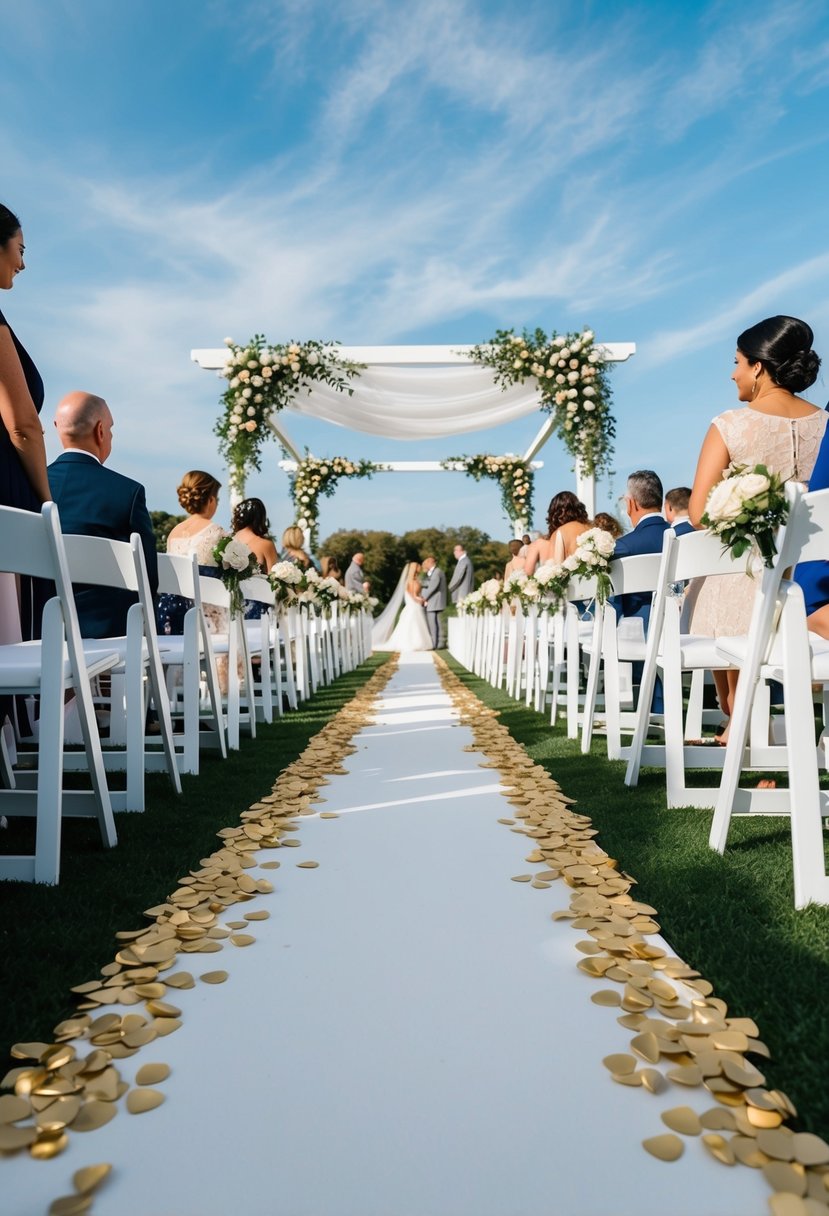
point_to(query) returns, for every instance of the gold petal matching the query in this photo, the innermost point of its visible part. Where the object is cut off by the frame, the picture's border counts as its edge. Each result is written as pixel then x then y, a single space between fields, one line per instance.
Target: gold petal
pixel 619 1063
pixel 781 1176
pixel 307 865
pixel 652 1080
pixel 48 1146
pixel 93 1115
pixel 141 1100
pixel 180 979
pixel 213 977
pixel 777 1143
pixel 152 1074
pixel 607 997
pixel 719 1147
pixel 786 1204
pixel 810 1149
pixel 263 914
pixel 14 1108
pixel 165 1026
pixel 242 939
pixel 665 1148
pixel 646 1046
pixel 682 1119
pixel 70 1205
pixel 14 1138
pixel 90 1177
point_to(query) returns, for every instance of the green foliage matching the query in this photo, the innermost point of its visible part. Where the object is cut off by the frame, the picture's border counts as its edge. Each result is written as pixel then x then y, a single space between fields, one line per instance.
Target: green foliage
pixel 163 523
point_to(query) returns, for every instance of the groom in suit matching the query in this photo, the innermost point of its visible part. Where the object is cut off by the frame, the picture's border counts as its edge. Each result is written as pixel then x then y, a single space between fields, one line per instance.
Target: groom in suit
pixel 434 593
pixel 95 501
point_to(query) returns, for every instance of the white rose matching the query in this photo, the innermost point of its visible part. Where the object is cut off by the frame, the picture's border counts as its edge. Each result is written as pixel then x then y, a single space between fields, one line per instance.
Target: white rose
pixel 589 392
pixel 751 484
pixel 565 352
pixel 572 377
pixel 258 399
pixel 724 502
pixel 247 393
pixel 313 358
pixel 251 411
pixel 574 364
pixel 588 335
pixel 228 342
pixel 531 589
pixel 244 374
pixel 265 358
pixel 234 382
pixel 236 556
pixel 267 373
pixel 257 381
pixel 253 363
pixel 589 406
pixel 572 393
pixel 570 563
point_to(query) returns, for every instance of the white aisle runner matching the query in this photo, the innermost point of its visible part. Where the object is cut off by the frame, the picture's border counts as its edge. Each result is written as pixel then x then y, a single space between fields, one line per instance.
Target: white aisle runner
pixel 408 1036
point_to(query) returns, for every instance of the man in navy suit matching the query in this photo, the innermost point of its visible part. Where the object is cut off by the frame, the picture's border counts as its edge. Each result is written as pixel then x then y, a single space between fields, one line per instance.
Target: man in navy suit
pixel 96 501
pixel 675 510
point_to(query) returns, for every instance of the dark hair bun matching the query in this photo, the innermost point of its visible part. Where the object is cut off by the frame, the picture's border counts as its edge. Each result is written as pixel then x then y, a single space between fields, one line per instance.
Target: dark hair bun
pixel 799 372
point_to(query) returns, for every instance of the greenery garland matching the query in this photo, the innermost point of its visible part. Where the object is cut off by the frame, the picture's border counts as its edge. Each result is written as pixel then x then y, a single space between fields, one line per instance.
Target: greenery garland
pixel 263 379
pixel 513 474
pixel 573 381
pixel 316 477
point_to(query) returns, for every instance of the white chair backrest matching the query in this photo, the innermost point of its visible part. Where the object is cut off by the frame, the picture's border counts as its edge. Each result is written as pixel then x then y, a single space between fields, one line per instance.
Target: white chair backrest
pixel 209 590
pixel 24 543
pixel 635 574
pixel 175 575
pixel 805 537
pixel 258 588
pixel 698 554
pixel 581 589
pixel 100 561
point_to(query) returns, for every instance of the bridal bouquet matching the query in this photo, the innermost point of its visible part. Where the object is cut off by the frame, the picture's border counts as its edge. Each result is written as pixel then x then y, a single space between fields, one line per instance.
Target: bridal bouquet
pixel 745 509
pixel 236 563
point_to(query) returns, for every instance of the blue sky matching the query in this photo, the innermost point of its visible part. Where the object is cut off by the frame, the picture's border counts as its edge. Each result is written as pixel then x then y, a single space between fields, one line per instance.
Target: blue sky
pixel 385 172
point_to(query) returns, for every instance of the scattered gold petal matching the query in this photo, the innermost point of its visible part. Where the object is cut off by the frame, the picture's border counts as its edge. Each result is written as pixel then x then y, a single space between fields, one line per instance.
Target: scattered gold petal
pixel 682 1119
pixel 328 814
pixel 93 1115
pixel 522 878
pixel 665 1148
pixel 141 1100
pixel 213 977
pixel 14 1108
pixel 48 1146
pixel 810 1149
pixel 90 1177
pixel 719 1147
pixel 307 865
pixel 14 1138
pixel 606 996
pixel 152 1074
pixel 242 939
pixel 70 1205
pixel 782 1176
pixel 786 1204
pixel 181 979
pixel 619 1063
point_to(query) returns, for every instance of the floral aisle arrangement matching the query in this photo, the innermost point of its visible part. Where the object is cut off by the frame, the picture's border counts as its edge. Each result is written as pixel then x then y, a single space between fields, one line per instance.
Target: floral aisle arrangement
pixel 263 379
pixel 286 580
pixel 236 563
pixel 549 584
pixel 573 381
pixel 514 475
pixel 316 478
pixel 745 509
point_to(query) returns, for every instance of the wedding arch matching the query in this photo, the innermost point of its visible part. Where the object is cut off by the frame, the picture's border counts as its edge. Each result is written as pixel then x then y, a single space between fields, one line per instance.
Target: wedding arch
pixel 410 392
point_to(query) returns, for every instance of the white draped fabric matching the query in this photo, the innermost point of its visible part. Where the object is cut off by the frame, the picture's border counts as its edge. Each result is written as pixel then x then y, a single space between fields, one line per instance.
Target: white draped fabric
pixel 420 402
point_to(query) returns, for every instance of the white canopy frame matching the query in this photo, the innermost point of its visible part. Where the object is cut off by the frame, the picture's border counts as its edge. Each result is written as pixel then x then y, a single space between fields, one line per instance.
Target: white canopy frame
pixel 425 413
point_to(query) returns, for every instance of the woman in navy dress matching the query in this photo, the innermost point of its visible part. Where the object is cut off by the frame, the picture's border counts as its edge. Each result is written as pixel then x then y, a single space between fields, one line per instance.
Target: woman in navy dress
pixel 813 577
pixel 23 479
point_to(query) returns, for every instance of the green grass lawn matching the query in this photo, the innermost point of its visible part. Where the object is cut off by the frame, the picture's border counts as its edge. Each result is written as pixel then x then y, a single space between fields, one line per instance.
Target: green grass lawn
pixel 730 917
pixel 54 937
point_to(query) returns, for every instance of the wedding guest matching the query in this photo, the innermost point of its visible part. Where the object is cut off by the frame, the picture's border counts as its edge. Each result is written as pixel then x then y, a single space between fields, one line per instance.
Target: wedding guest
pixel 608 523
pixel 774 361
pixel 23 479
pixel 643 504
pixel 463 576
pixel 813 577
pixel 566 521
pixel 198 495
pixel 330 568
pixel 249 524
pixel 433 592
pixel 515 563
pixel 675 509
pixel 94 500
pixel 293 540
pixel 354 576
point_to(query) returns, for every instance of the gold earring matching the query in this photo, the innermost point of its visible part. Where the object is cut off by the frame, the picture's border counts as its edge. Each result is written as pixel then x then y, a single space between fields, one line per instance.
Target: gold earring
pixel 756 382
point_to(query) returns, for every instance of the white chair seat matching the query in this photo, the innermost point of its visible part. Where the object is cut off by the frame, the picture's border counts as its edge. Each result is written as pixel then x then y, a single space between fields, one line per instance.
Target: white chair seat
pixel 21 666
pixel 702 652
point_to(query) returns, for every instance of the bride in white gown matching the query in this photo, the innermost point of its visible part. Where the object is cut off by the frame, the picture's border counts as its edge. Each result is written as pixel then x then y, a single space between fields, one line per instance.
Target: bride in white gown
pixel 411 631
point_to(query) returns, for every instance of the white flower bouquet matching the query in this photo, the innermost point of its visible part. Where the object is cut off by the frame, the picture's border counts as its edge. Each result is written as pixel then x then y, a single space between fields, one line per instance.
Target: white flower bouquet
pixel 236 563
pixel 591 559
pixel 285 579
pixel 745 509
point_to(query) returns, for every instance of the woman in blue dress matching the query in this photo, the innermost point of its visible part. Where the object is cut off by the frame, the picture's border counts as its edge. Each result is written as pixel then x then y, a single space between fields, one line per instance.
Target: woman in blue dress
pixel 813 577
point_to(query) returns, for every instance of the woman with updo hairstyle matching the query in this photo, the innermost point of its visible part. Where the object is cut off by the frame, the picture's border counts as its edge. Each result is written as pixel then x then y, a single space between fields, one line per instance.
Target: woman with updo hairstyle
pixel 773 362
pixel 567 519
pixel 330 567
pixel 293 539
pixel 608 523
pixel 199 497
pixel 249 524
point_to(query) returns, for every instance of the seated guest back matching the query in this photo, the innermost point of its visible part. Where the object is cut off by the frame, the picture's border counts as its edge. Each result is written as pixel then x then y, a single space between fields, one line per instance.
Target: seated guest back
pixel 608 523
pixel 643 503
pixel 198 495
pixel 96 501
pixel 293 540
pixel 515 561
pixel 566 521
pixel 675 510
pixel 330 567
pixel 249 524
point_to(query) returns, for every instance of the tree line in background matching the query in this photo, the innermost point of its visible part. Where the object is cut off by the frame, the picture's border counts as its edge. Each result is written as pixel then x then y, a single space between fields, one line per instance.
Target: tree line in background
pixel 386 553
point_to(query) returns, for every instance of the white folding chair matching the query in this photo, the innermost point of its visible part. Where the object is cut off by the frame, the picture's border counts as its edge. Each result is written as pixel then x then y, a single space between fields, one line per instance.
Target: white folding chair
pixel 239 707
pixel 262 645
pixel 96 561
pixel 188 658
pixel 780 647
pixel 675 653
pixel 31 545
pixel 616 643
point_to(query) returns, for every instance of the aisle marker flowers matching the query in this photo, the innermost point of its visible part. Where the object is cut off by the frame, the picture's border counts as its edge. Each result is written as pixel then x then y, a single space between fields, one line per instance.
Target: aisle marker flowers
pixel 264 379
pixel 745 509
pixel 236 563
pixel 573 382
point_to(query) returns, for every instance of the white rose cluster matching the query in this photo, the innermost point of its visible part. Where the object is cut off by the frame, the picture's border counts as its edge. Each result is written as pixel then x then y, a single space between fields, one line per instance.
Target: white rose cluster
pixel 728 498
pixel 286 572
pixel 236 556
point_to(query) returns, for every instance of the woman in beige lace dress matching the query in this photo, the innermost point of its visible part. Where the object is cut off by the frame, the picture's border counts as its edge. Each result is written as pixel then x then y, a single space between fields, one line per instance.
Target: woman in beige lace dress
pixel 773 362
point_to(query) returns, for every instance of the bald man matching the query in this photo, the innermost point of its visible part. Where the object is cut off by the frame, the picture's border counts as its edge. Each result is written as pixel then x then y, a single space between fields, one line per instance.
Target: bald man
pixel 96 501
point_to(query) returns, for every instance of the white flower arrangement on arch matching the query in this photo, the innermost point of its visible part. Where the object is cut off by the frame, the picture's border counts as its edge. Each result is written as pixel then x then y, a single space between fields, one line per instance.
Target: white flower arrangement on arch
pixel 263 379
pixel 573 383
